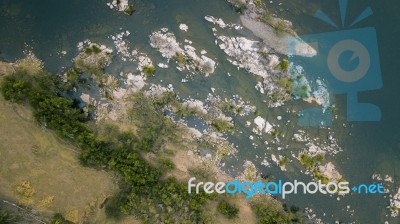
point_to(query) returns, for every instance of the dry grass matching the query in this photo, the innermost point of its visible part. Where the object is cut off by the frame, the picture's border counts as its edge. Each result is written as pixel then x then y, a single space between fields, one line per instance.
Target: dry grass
pixel 40 171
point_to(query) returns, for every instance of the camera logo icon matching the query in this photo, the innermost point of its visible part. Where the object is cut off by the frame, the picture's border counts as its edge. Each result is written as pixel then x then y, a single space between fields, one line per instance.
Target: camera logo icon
pixel 348 63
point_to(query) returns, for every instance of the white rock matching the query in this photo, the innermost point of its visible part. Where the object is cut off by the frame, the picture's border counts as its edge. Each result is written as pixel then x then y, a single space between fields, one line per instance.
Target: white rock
pixel 183 27
pixel 162 65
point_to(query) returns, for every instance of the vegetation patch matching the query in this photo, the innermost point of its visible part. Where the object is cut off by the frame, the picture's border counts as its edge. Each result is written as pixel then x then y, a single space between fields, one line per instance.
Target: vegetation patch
pixel 282 162
pixel 181 59
pixel 222 125
pixel 271 213
pixel 287 85
pixel 129 10
pixel 6 218
pixel 145 191
pixel 230 107
pixel 149 70
pixel 310 162
pixel 228 210
pixel 284 65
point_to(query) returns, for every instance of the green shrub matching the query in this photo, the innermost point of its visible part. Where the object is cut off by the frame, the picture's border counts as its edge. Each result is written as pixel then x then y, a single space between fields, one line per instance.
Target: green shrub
pixel 93 49
pixel 16 87
pixel 149 70
pixel 264 54
pixel 228 210
pixel 274 214
pixel 276 133
pixel 222 125
pixel 284 65
pixel 283 161
pixel 310 162
pixel 166 165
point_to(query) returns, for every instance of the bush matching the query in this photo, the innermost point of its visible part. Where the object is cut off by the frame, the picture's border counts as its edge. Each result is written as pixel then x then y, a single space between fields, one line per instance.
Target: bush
pixel 284 65
pixel 228 210
pixel 130 10
pixel 221 125
pixel 272 214
pixel 16 87
pixel 93 49
pixel 310 162
pixel 149 70
pixel 166 165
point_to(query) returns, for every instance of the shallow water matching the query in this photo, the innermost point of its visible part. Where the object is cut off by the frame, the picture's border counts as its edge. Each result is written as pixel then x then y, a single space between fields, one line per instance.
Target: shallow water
pixel 49 27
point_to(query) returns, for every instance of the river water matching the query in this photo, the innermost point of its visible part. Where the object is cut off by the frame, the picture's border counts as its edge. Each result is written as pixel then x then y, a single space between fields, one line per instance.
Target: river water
pixel 50 27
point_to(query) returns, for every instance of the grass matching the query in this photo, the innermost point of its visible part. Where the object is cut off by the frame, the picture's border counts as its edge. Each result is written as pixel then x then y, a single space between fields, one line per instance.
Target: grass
pixel 40 167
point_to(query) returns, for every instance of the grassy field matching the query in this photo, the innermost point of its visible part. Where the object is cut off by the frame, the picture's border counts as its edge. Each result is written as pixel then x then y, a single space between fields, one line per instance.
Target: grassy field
pixel 40 172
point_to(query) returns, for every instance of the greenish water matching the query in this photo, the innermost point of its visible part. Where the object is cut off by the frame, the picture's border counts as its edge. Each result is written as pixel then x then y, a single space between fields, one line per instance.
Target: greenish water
pixel 48 27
